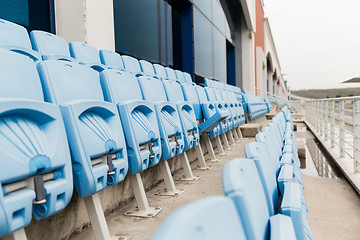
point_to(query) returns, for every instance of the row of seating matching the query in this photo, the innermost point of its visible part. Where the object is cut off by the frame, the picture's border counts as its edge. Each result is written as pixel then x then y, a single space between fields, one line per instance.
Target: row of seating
pixel 277 101
pixel 255 205
pixel 255 106
pixel 71 115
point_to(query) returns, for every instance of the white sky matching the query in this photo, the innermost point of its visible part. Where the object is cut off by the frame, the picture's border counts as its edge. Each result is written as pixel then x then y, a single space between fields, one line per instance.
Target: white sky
pixel 317 41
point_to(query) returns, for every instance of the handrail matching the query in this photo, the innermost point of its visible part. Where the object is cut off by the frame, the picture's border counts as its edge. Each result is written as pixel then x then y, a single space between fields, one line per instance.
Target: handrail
pixel 335 124
pixel 336 99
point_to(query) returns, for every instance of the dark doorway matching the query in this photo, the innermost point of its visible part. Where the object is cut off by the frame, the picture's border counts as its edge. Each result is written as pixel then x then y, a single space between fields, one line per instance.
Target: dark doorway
pixel 182 25
pixel 230 64
pixel 32 14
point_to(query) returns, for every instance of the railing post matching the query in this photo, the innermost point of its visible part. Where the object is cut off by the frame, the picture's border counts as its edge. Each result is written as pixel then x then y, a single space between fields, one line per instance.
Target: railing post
pixel 322 118
pixel 326 120
pixel 356 143
pixel 332 123
pixel 342 128
pixel 316 115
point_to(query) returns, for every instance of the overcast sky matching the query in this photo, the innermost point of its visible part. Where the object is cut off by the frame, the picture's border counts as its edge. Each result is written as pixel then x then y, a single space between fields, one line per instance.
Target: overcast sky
pixel 317 41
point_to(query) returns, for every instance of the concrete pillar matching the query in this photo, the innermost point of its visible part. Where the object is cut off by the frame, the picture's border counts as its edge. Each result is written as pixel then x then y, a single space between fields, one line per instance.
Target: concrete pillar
pixel 248 59
pixel 88 21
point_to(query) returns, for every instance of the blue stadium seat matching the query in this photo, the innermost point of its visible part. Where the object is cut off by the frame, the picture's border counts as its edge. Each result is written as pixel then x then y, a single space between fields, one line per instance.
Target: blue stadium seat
pixel 50 46
pixel 187 115
pixel 93 126
pixel 132 65
pixel 255 106
pixel 188 78
pixel 210 218
pixel 180 76
pixel 208 83
pixel 171 134
pixel 214 117
pixel 15 38
pixel 268 104
pixel 35 173
pixel 111 59
pixel 160 71
pixel 138 118
pixel 222 109
pixel 171 75
pixel 221 106
pixel 242 184
pixel 258 152
pixel 278 159
pixel 235 113
pixel 223 126
pixel 86 55
pixel 147 68
pixel 238 105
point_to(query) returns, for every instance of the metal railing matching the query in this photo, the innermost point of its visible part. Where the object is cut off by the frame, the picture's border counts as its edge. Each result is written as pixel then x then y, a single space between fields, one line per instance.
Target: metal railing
pixel 336 120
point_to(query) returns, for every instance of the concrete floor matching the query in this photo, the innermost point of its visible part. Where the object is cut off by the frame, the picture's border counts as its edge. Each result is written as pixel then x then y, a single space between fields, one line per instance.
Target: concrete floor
pixel 134 228
pixel 334 207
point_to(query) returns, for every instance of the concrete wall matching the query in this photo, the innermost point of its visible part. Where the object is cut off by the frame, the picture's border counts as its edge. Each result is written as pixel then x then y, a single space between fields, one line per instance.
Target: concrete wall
pixel 248 59
pixel 271 53
pixel 249 10
pixel 261 72
pixel 88 21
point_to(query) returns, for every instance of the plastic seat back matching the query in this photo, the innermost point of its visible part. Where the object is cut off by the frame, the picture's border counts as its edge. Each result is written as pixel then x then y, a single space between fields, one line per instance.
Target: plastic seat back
pixel 180 76
pixel 208 82
pixel 188 78
pixel 120 86
pixel 147 68
pixel 210 94
pixel 160 71
pixel 272 149
pixel 50 46
pixel 171 73
pixel 152 89
pixel 201 94
pixel 225 95
pixel 241 182
pixel 68 81
pixel 111 59
pixel 258 152
pixel 84 52
pixel 15 38
pixel 190 95
pixel 138 117
pixel 210 218
pixel 14 76
pixel 33 149
pixel 173 91
pixel 93 127
pixel 218 95
pixel 131 64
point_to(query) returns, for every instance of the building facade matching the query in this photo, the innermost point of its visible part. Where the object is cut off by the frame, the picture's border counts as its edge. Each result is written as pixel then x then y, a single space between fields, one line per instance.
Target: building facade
pixel 226 40
pixel 212 38
pixel 269 79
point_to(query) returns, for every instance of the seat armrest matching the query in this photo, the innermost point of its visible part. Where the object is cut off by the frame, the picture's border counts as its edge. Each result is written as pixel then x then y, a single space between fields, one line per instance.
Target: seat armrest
pixel 281 228
pixel 285 175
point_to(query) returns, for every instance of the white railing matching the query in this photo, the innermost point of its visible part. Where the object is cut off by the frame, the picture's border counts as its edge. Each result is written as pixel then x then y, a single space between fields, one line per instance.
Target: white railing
pixel 337 120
